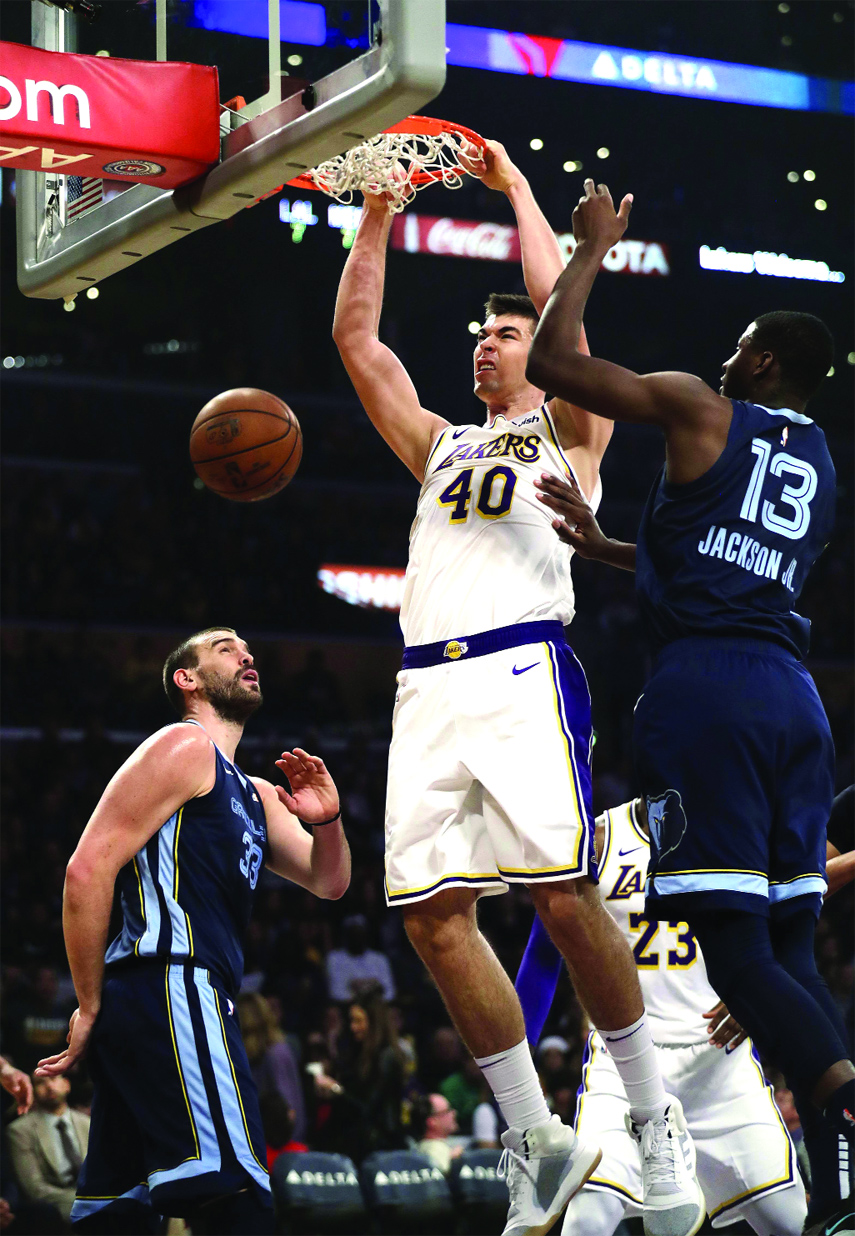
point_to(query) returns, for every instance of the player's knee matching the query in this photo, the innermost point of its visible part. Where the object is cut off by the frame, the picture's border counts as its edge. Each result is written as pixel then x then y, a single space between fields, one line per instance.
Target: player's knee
pixel 566 903
pixel 436 931
pixel 780 1214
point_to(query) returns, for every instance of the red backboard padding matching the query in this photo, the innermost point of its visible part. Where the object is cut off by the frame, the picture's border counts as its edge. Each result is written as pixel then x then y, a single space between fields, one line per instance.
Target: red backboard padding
pixel 144 121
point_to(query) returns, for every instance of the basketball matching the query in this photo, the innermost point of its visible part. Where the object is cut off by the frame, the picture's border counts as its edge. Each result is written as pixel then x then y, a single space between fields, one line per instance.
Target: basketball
pixel 246 444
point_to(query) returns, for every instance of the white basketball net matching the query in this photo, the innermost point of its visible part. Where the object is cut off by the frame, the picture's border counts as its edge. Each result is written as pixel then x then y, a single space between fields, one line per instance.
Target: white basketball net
pixel 394 163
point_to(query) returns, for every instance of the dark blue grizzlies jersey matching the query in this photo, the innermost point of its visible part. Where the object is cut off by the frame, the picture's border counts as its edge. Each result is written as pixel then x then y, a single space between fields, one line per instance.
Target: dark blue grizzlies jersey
pixel 728 554
pixel 187 894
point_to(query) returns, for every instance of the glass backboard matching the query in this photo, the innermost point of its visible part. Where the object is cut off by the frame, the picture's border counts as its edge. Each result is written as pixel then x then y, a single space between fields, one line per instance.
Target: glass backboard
pixel 300 81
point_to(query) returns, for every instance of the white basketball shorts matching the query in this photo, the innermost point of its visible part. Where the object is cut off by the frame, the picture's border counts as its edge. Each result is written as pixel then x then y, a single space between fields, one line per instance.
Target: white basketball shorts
pixel 489 766
pixel 744 1149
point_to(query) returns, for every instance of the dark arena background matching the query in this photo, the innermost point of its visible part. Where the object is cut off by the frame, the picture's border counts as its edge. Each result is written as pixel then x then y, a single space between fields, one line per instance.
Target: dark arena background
pixel 113 551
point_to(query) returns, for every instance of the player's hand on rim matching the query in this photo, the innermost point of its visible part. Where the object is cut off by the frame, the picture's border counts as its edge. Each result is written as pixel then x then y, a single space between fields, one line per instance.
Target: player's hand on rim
pixel 724 1030
pixel 313 797
pixel 595 219
pixel 492 166
pixel 79 1031
pixel 577 525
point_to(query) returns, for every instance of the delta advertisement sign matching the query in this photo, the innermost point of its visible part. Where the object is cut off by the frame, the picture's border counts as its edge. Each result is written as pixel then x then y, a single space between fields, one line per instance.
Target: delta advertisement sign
pixel 500 242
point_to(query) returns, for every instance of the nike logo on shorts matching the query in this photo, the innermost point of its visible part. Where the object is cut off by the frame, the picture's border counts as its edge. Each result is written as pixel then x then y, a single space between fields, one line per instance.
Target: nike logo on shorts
pixel 525 667
pixel 622 853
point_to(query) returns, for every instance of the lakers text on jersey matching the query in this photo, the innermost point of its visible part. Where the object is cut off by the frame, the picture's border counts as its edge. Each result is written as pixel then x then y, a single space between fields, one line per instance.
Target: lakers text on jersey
pixel 483 553
pixel 743 1148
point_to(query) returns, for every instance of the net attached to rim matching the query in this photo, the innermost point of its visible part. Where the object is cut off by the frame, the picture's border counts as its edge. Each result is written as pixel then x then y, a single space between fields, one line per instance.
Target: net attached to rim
pixel 414 153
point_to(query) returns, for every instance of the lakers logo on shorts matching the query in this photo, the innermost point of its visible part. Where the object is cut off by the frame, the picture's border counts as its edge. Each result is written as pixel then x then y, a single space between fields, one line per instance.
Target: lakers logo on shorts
pixel 454 650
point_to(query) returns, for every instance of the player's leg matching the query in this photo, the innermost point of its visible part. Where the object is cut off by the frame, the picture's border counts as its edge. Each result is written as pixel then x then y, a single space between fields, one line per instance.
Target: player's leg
pixel 793 932
pixel 593 1212
pixel 484 1006
pixel 778 1214
pixel 112 1193
pixel 540 819
pixel 709 731
pixel 614 1190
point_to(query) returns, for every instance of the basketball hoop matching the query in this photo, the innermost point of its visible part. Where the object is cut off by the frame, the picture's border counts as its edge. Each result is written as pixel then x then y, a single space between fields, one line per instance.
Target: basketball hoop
pixel 415 152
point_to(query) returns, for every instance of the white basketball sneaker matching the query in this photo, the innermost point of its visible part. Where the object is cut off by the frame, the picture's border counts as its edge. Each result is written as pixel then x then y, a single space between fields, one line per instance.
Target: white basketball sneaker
pixel 673 1201
pixel 544 1167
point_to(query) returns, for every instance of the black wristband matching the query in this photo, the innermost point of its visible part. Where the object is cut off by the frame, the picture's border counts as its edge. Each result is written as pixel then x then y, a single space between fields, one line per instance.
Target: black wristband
pixel 320 823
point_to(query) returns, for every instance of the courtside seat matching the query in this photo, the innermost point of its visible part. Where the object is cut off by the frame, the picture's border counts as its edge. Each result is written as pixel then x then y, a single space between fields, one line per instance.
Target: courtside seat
pixel 480 1195
pixel 318 1193
pixel 406 1194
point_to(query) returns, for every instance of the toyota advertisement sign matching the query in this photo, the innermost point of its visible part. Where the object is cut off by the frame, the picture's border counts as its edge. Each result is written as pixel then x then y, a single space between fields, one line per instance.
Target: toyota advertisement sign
pixel 500 242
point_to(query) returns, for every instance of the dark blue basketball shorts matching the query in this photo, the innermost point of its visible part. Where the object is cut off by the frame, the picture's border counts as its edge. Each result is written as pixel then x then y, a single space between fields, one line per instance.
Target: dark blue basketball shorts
pixel 735 758
pixel 175 1118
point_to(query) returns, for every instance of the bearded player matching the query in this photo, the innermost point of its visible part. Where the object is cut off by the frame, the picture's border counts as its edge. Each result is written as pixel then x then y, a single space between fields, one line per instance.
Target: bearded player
pixel 184 833
pixel 489 773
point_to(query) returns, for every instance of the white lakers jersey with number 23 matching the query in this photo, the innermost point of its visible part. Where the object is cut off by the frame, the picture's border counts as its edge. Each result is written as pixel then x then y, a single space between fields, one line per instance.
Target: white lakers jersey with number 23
pixel 483 553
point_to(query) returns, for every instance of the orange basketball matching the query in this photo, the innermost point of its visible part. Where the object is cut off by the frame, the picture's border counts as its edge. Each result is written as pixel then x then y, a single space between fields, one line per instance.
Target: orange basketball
pixel 246 444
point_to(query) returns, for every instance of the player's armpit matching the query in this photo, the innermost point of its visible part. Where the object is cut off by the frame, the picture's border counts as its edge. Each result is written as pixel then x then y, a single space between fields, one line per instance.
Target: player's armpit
pixel 839 871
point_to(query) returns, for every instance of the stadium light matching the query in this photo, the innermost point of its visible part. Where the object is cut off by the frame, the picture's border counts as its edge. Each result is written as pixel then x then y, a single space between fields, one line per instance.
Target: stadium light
pixel 809 175
pixel 536 143
pixel 92 293
pixel 821 203
pixel 792 177
pixel 473 328
pixel 603 152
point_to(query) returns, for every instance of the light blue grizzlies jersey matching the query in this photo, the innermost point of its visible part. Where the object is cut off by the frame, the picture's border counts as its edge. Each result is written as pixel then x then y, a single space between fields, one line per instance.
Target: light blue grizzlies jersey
pixel 187 894
pixel 728 554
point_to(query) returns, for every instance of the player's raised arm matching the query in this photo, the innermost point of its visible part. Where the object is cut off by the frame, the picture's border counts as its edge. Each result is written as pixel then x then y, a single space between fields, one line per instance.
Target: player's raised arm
pixel 543 262
pixel 380 380
pixel 677 402
pixel 169 768
pixel 320 862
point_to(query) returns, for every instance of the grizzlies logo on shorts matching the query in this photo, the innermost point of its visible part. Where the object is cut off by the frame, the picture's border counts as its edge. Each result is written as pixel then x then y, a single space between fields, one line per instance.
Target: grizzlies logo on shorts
pixel 667 821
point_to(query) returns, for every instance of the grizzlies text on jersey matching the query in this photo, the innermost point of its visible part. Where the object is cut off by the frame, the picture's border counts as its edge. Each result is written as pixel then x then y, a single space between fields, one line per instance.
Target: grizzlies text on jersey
pixel 187 895
pixel 483 553
pixel 728 554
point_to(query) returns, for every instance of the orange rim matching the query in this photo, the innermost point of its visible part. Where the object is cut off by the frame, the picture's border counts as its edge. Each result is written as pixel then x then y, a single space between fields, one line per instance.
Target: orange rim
pixel 427 125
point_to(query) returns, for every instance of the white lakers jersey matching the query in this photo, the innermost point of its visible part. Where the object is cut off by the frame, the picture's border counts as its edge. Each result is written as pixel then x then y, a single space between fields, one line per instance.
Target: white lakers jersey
pixel 483 553
pixel 671 969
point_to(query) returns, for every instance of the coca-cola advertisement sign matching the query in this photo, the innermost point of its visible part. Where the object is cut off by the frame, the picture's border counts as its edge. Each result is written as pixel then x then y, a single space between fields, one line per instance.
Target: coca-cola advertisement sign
pixel 492 242
pixel 500 242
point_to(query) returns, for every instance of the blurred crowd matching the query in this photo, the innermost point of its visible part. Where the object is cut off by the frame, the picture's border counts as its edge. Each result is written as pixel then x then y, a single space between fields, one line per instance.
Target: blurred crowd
pixel 107 566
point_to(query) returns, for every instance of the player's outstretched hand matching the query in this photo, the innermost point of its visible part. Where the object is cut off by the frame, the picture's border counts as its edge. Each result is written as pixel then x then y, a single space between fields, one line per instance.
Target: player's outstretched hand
pixel 578 525
pixel 493 167
pixel 724 1030
pixel 595 219
pixel 79 1031
pixel 313 796
pixel 18 1085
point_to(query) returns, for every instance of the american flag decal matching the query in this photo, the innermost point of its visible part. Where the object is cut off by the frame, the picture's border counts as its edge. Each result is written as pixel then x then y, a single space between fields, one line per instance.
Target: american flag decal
pixel 81 194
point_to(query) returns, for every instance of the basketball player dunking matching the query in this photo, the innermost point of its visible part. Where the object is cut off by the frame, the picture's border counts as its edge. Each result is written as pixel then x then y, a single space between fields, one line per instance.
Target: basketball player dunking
pixel 733 748
pixel 175 1123
pixel 489 774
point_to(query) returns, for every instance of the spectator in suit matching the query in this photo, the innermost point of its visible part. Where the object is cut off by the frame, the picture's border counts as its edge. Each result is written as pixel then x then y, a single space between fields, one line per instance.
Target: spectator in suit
pixel 48 1145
